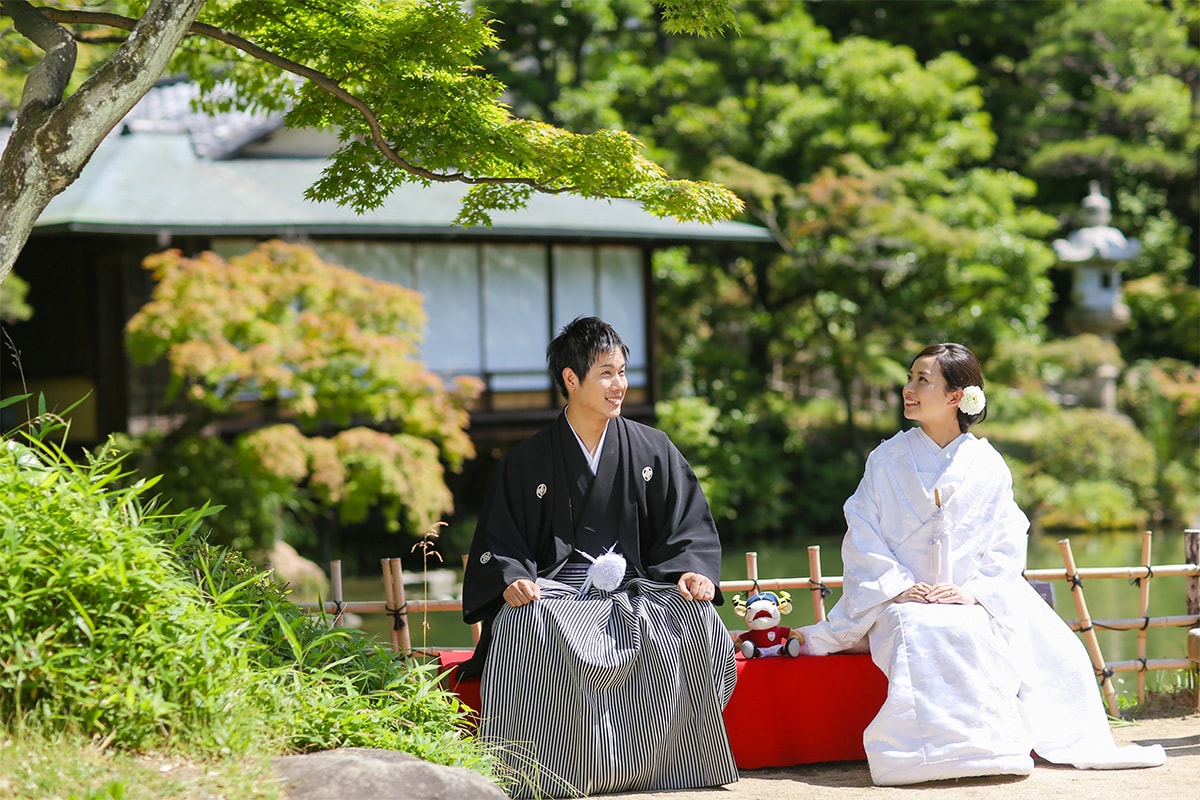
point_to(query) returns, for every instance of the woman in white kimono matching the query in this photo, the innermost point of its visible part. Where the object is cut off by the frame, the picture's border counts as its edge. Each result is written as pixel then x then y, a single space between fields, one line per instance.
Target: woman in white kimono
pixel 981 671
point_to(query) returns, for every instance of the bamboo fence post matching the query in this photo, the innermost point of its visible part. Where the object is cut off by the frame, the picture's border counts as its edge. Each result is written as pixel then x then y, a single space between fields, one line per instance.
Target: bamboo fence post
pixel 335 582
pixel 400 610
pixel 752 566
pixel 1144 586
pixel 818 588
pixel 389 595
pixel 1087 629
pixel 476 627
pixel 1191 554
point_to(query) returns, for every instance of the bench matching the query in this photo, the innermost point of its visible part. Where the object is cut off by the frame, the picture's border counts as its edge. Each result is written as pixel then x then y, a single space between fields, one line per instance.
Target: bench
pixel 784 711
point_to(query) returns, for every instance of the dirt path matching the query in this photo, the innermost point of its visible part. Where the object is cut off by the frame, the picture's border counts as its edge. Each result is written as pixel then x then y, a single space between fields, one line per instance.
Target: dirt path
pixel 1178 779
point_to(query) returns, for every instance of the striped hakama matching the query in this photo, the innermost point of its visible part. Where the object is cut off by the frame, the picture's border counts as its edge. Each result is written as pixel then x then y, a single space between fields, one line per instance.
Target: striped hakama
pixel 610 692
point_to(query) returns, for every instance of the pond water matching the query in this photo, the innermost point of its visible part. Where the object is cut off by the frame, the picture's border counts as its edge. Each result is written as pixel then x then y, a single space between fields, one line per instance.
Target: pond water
pixel 1107 598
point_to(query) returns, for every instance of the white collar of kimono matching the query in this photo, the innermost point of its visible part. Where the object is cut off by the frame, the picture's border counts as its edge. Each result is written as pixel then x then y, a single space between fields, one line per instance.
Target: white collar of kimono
pixel 592 460
pixel 931 455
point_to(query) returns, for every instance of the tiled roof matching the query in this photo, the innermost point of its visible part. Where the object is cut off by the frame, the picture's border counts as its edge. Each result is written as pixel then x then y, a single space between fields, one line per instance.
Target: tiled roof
pixel 167 108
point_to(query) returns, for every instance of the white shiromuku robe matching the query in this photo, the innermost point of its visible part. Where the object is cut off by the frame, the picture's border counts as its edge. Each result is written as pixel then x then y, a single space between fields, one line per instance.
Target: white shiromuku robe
pixel 972 690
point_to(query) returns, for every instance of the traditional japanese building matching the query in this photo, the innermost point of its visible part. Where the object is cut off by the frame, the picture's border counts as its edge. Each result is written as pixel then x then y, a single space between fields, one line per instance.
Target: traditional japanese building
pixel 170 177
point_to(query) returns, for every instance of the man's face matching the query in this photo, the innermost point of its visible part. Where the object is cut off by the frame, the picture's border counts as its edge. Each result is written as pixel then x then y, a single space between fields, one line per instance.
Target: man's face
pixel 602 390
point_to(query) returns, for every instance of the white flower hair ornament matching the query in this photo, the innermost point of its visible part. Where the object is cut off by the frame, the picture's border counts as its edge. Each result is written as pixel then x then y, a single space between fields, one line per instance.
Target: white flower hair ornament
pixel 973 401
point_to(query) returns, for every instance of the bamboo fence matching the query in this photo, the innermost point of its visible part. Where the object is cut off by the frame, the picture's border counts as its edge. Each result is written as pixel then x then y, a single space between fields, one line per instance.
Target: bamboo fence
pixel 399 607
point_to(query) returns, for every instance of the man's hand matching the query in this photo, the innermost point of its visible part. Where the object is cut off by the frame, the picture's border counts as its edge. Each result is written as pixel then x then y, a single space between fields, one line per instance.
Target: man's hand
pixel 522 591
pixel 694 586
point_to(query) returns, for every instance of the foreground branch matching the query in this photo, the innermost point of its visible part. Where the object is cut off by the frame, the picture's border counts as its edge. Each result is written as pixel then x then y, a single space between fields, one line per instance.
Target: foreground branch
pixel 318 78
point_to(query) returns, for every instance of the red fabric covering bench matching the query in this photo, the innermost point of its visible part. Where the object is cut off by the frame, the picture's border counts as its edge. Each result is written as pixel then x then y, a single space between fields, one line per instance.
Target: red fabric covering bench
pixel 788 711
pixel 468 690
pixel 784 711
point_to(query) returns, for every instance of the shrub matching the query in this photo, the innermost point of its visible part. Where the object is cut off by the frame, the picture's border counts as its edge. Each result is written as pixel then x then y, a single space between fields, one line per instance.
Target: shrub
pixel 771 470
pixel 1100 459
pixel 1096 505
pixel 121 623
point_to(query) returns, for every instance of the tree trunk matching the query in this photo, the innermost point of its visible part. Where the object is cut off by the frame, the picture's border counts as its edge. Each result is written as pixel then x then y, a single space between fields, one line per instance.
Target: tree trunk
pixel 53 139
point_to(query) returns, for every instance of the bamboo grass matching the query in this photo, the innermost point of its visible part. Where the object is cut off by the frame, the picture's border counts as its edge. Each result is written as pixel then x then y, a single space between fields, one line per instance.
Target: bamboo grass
pixel 125 628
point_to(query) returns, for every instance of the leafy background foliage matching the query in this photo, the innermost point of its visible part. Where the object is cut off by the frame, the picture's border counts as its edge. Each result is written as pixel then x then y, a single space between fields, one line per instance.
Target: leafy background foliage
pixel 316 368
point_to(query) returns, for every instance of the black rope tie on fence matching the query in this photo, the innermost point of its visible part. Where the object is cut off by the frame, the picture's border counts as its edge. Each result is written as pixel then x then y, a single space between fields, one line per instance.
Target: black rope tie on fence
pixel 1138 581
pixel 1144 666
pixel 1145 623
pixel 1104 674
pixel 398 622
pixel 825 590
pixel 1076 581
pixel 338 607
pixel 1088 628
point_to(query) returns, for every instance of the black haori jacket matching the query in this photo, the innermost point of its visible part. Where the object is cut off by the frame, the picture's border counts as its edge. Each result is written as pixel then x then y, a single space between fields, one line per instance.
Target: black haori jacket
pixel 644 487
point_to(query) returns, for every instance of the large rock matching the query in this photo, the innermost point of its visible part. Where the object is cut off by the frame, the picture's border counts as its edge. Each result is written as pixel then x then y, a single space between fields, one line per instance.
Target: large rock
pixel 305 578
pixel 364 773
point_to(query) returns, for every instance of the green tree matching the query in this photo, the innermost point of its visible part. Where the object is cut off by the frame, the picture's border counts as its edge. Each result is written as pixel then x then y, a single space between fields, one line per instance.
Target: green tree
pixel 890 147
pixel 318 365
pixel 1078 91
pixel 871 169
pixel 1115 85
pixel 399 81
pixel 1163 398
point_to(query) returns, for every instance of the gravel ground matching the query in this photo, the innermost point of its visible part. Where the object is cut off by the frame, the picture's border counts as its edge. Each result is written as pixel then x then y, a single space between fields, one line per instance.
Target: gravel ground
pixel 1178 779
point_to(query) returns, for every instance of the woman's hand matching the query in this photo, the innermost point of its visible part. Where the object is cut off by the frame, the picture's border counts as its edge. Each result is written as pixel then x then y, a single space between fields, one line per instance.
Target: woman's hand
pixel 913 594
pixel 948 593
pixel 522 591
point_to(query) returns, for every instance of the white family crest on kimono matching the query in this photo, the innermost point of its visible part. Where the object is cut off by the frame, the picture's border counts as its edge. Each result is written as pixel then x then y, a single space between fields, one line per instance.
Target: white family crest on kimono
pixel 972 689
pixel 610 680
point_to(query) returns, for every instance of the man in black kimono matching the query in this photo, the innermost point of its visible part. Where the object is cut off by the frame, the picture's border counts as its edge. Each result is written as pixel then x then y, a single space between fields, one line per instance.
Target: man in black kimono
pixel 593 687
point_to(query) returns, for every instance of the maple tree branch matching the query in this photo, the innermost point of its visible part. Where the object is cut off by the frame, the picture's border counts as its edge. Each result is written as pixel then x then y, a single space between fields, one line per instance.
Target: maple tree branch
pixel 319 78
pixel 48 79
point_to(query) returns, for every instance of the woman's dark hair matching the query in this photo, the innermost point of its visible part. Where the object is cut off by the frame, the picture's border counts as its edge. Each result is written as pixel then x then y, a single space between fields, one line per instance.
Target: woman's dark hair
pixel 578 345
pixel 961 369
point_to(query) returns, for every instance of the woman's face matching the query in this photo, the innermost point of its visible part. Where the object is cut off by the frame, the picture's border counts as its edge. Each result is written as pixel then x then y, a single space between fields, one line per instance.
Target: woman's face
pixel 927 397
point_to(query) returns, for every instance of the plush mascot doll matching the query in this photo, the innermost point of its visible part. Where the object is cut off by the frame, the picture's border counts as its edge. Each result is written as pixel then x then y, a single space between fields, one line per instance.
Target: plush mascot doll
pixel 766 636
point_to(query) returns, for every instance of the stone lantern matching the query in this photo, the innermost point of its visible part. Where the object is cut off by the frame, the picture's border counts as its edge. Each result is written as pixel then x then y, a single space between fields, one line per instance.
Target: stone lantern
pixel 1096 252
